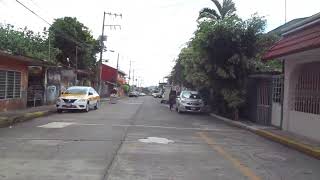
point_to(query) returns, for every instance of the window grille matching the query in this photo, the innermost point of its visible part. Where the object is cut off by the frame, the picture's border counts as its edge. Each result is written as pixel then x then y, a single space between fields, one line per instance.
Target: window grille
pixel 277 83
pixel 17 85
pixel 3 77
pixel 307 92
pixel 10 84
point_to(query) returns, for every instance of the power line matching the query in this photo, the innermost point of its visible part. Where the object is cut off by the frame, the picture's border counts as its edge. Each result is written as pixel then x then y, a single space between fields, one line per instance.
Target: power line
pixel 64 35
pixel 34 3
pixel 33 12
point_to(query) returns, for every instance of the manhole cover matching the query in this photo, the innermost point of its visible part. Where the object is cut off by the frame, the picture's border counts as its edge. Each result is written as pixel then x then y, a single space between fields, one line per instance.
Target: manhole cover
pixel 55 125
pixel 157 140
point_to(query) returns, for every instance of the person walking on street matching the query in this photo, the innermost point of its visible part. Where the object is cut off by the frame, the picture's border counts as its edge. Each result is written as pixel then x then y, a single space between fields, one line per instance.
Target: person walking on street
pixel 113 96
pixel 172 99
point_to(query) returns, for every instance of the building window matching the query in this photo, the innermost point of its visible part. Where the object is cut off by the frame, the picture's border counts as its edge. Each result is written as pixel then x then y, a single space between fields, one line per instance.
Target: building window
pixel 10 84
pixel 307 92
pixel 277 82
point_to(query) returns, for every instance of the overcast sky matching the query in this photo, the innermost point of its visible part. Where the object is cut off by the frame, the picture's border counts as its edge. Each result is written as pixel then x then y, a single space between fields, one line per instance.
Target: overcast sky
pixel 153 31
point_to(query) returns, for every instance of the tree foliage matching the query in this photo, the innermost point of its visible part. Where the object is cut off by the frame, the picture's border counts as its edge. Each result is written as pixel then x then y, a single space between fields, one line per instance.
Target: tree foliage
pixel 126 88
pixel 225 10
pixel 25 42
pixel 220 56
pixel 62 38
pixel 68 34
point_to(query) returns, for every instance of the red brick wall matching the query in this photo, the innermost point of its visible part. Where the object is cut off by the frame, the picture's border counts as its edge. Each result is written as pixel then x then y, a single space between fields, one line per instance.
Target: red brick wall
pixel 14 65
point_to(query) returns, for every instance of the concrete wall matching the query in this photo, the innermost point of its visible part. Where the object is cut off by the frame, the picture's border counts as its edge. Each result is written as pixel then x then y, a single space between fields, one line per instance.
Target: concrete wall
pixel 14 65
pixel 297 122
pixel 276 114
pixel 305 124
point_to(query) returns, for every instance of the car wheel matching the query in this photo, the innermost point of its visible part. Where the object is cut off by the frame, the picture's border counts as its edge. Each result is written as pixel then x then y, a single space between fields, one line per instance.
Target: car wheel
pixel 59 110
pixel 97 105
pixel 87 108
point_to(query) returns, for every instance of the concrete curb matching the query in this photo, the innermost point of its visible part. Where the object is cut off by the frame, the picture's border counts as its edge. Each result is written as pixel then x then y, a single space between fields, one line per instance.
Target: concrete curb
pixel 306 149
pixel 7 121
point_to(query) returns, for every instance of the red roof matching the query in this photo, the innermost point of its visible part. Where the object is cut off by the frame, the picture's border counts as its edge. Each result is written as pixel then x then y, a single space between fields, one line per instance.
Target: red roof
pixel 301 40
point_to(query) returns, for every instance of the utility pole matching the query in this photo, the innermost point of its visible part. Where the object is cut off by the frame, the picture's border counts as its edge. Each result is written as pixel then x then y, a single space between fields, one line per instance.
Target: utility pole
pixel 102 44
pixel 117 67
pixel 102 48
pixel 49 45
pixel 76 65
pixel 285 11
pixel 118 62
pixel 133 77
pixel 129 73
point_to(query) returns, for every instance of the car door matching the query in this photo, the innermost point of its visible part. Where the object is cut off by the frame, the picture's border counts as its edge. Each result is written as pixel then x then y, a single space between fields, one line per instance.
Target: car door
pixel 96 95
pixel 92 99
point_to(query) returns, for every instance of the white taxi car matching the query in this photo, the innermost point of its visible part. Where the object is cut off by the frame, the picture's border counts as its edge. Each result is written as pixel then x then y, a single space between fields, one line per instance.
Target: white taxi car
pixel 78 97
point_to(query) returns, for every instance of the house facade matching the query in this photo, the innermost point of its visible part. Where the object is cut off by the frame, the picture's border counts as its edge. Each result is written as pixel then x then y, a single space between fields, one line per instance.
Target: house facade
pixel 111 78
pixel 26 82
pixel 13 81
pixel 299 49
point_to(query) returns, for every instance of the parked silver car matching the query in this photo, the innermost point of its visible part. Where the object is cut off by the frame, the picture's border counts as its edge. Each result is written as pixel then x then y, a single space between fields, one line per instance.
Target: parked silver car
pixel 189 101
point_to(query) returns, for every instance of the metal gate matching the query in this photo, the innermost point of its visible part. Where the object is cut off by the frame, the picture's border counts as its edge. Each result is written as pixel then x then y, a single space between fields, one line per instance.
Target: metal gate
pixel 264 103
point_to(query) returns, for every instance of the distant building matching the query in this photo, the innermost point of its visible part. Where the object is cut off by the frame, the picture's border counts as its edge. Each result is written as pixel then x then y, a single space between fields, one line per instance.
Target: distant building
pixel 111 78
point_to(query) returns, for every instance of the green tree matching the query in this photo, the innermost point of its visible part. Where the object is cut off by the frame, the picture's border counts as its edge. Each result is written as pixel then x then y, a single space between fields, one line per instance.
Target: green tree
pixel 25 42
pixel 70 35
pixel 220 56
pixel 126 88
pixel 226 9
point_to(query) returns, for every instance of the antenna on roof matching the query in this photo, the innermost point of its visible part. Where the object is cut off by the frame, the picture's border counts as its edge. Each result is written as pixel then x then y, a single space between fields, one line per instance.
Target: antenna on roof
pixel 285 11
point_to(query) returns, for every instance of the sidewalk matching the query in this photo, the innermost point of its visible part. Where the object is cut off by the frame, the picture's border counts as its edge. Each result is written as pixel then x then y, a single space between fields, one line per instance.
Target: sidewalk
pixel 294 141
pixel 10 117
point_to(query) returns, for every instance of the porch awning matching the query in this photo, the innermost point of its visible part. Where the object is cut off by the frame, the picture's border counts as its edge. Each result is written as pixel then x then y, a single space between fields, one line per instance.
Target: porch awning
pixel 302 40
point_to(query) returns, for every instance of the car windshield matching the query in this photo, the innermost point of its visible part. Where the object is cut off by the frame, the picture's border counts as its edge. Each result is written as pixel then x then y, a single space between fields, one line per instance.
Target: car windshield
pixel 190 95
pixel 76 91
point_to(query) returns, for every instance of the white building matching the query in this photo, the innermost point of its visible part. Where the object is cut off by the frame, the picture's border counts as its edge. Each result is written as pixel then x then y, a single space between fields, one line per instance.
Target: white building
pixel 299 48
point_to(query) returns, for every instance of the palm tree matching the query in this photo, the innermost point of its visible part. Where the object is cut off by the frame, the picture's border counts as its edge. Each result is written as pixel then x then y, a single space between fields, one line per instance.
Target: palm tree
pixel 226 9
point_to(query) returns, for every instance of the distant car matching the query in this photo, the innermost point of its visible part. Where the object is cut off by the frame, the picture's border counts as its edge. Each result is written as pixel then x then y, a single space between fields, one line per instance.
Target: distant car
pixel 157 95
pixel 142 94
pixel 133 94
pixel 189 101
pixel 78 98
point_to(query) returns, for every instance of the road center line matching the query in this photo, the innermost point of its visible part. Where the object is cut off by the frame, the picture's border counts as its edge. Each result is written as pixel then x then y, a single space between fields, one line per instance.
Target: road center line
pixel 246 171
pixel 175 128
pixel 243 169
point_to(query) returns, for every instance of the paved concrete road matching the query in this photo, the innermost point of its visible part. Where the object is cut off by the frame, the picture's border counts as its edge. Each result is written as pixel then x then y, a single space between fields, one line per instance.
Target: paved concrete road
pixel 115 142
